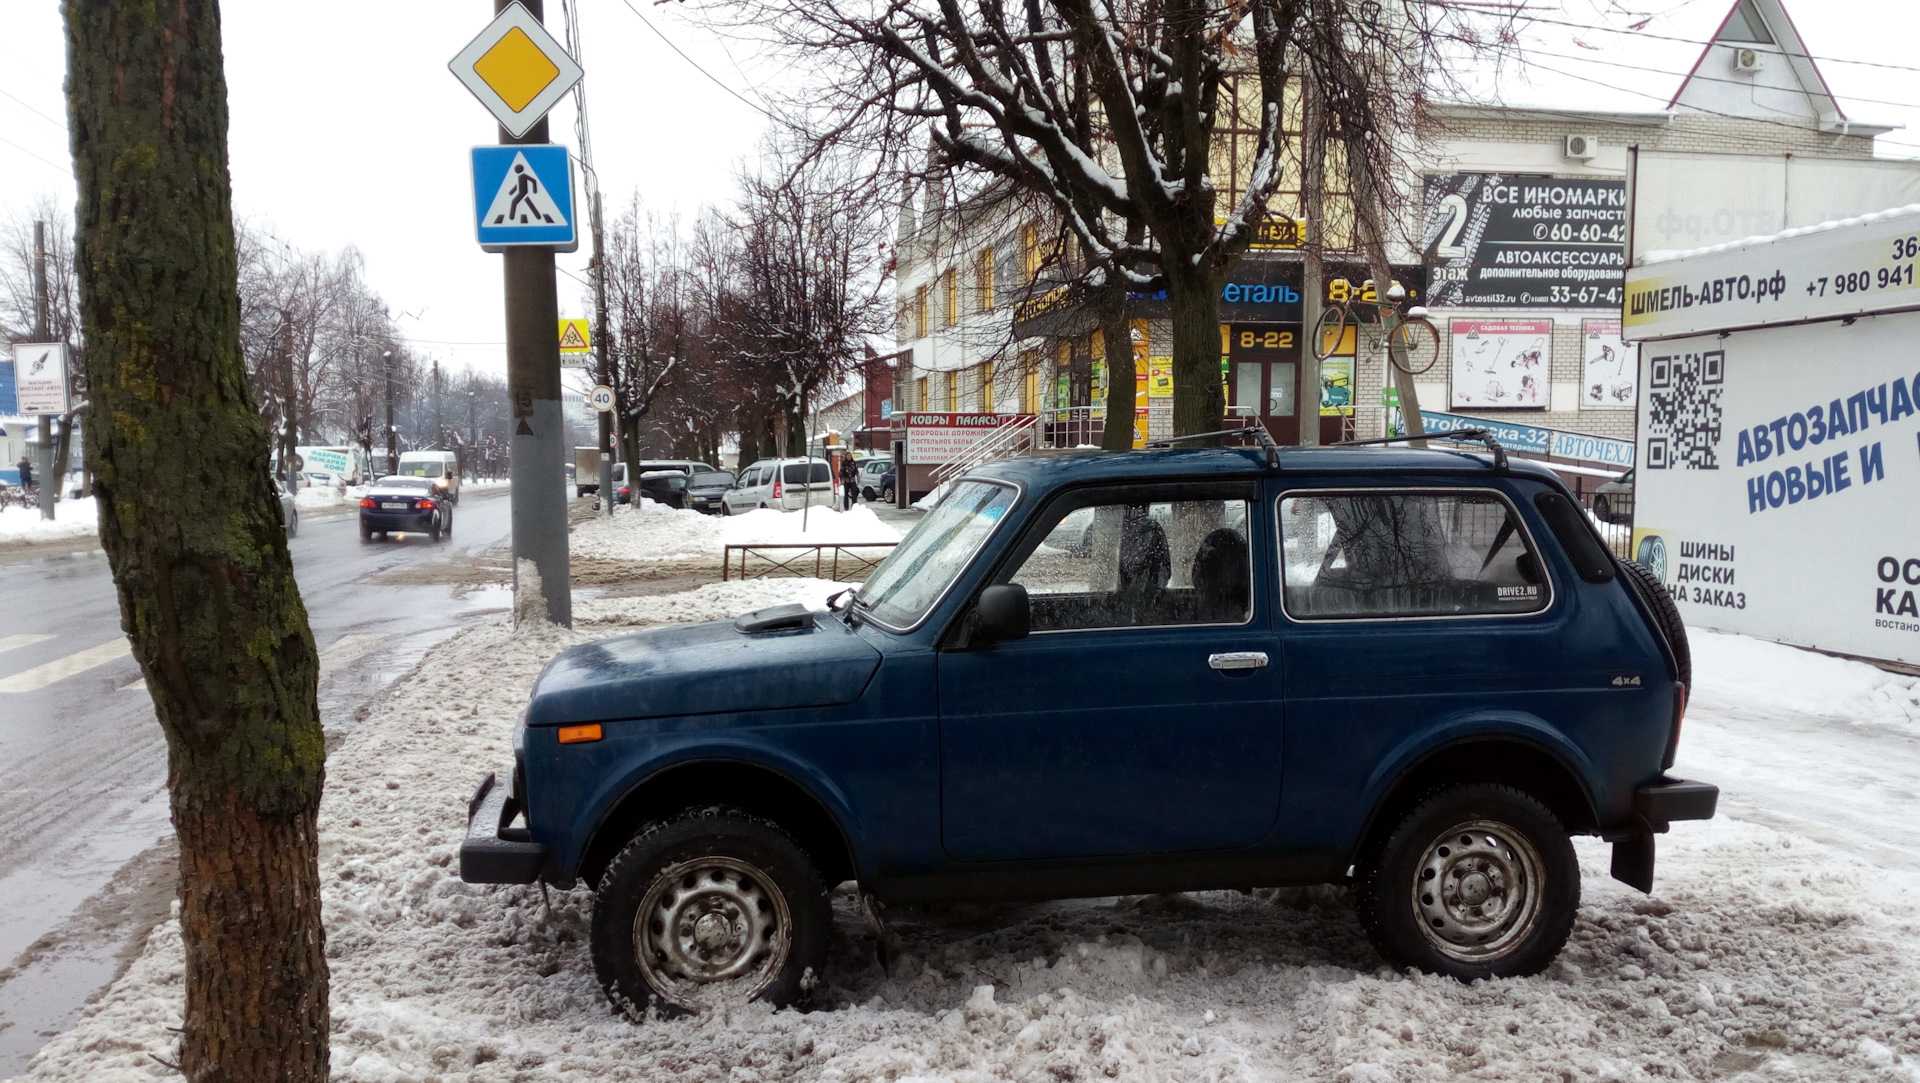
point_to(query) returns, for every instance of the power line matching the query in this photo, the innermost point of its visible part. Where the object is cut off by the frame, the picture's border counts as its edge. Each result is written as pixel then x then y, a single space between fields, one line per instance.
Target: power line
pixel 67 169
pixel 1649 35
pixel 1693 75
pixel 29 108
pixel 757 107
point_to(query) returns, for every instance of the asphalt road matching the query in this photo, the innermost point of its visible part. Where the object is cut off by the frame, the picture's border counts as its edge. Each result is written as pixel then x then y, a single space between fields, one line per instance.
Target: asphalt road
pixel 86 860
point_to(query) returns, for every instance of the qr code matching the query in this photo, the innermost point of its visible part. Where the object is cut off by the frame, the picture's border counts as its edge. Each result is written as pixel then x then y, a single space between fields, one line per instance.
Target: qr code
pixel 1683 410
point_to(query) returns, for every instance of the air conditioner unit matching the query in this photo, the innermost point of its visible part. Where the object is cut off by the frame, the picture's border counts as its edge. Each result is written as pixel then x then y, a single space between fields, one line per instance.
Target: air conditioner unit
pixel 1582 147
pixel 1747 61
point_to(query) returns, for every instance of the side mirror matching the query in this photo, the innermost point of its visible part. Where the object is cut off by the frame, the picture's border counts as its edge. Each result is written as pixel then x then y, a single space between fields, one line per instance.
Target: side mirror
pixel 1003 612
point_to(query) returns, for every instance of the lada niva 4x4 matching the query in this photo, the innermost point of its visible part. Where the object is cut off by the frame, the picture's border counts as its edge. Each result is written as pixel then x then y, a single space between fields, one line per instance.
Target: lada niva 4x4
pixel 1415 672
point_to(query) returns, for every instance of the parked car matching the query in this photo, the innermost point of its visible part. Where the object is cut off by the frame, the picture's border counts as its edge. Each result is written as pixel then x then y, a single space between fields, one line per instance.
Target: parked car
pixel 684 467
pixel 707 490
pixel 289 507
pixel 872 472
pixel 886 485
pixel 443 467
pixel 321 479
pixel 1613 501
pixel 1413 672
pixel 781 484
pixel 668 487
pixel 397 504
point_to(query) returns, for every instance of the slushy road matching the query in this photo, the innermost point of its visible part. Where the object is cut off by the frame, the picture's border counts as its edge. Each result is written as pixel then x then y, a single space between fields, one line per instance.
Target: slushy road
pixel 87 861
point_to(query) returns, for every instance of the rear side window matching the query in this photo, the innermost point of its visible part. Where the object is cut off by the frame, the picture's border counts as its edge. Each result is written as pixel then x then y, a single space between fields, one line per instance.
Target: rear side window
pixel 1384 553
pixel 798 473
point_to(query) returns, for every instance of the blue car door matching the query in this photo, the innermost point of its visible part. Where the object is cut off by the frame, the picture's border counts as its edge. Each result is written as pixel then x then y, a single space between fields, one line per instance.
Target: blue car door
pixel 1143 713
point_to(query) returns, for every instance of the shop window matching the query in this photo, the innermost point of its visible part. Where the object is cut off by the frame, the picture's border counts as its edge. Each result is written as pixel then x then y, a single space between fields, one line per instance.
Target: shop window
pixel 1246 388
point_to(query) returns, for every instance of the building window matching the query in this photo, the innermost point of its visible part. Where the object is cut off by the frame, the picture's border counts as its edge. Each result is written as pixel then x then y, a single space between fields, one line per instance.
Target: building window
pixel 920 314
pixel 1030 252
pixel 1030 390
pixel 950 296
pixel 986 379
pixel 986 280
pixel 953 386
pixel 920 394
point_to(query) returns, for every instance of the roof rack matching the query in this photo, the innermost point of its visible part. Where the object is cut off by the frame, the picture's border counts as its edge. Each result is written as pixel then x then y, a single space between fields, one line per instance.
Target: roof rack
pixel 1258 432
pixel 1484 437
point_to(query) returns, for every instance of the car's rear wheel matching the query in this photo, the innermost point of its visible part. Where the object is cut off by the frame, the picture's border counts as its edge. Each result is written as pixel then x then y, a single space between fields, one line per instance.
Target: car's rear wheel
pixel 712 908
pixel 434 531
pixel 1477 881
pixel 366 533
pixel 868 493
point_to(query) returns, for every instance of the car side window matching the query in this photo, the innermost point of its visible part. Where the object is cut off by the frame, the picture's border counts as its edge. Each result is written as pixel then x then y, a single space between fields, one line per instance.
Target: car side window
pixel 1122 565
pixel 1384 553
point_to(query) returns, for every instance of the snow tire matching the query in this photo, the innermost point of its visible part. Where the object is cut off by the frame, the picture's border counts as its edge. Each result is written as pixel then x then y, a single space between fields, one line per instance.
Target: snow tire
pixel 1665 614
pixel 1516 885
pixel 767 867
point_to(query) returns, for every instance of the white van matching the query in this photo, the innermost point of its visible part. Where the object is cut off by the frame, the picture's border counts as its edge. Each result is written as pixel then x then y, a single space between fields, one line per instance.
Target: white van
pixel 442 466
pixel 781 484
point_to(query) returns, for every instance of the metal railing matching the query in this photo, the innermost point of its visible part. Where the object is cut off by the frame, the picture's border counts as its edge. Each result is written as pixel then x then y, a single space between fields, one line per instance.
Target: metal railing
pixel 1070 427
pixel 794 561
pixel 1012 437
pixel 1612 515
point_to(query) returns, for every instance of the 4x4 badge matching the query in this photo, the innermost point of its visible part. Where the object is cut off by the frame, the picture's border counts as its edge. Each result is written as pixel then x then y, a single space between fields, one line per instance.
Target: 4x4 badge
pixel 1626 680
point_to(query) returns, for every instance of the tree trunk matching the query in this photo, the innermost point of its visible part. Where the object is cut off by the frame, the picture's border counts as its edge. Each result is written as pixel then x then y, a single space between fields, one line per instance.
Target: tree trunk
pixel 1193 296
pixel 63 453
pixel 192 531
pixel 1117 435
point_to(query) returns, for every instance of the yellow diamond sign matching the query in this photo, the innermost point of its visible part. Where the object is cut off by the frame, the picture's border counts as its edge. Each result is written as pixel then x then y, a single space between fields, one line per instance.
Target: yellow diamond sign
pixel 516 69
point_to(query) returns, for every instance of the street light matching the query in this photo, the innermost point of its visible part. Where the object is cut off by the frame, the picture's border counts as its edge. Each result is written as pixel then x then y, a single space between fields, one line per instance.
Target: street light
pixel 393 455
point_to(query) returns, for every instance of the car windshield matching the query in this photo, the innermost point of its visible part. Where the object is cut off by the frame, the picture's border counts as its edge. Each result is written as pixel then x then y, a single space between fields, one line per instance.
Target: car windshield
pixel 420 469
pixel 933 554
pixel 717 477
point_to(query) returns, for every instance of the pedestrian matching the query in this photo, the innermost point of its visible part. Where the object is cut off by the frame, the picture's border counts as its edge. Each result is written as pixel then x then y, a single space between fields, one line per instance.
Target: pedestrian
pixel 26 472
pixel 849 482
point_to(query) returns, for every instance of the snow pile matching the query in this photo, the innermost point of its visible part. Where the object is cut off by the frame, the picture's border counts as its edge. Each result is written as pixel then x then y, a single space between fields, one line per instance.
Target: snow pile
pixel 715 601
pixel 653 533
pixel 1763 955
pixel 484 483
pixel 1743 677
pixel 73 518
pixel 318 497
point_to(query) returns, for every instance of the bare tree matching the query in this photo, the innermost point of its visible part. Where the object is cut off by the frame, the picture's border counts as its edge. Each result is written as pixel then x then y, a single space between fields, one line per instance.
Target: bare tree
pixel 18 256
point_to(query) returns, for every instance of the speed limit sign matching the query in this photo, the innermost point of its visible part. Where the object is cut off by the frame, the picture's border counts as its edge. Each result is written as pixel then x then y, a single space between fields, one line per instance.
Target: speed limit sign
pixel 601 397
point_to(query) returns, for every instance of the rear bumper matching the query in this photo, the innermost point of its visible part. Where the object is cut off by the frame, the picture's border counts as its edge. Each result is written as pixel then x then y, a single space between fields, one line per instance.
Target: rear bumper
pixel 1659 804
pixel 396 520
pixel 494 853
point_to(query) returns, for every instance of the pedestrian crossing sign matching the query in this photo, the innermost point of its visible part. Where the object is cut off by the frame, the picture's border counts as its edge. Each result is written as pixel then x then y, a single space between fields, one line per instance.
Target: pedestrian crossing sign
pixel 523 195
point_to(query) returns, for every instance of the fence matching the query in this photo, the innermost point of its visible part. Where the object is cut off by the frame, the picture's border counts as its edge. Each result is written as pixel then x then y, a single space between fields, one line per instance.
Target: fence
pixel 1611 513
pixel 793 561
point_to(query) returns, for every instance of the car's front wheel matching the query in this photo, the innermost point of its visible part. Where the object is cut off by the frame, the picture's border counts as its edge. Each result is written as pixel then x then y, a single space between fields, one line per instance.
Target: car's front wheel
pixel 713 907
pixel 1477 881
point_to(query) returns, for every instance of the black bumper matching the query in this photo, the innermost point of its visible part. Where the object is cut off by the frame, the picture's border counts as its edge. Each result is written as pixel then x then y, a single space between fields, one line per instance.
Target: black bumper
pixel 1659 804
pixel 494 853
pixel 406 522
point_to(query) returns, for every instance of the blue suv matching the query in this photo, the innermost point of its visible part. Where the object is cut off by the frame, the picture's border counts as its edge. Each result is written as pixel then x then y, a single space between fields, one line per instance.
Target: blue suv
pixel 1415 672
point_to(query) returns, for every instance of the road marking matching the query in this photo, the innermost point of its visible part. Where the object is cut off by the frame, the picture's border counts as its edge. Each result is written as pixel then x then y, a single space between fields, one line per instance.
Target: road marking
pixel 60 668
pixel 8 643
pixel 345 650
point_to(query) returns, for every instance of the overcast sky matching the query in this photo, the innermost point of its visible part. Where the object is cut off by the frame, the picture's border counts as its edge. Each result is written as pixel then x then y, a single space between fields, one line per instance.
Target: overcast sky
pixel 347 128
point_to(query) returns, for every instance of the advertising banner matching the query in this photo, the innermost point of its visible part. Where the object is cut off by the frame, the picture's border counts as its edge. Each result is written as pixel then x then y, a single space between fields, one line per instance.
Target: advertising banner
pixel 1846 269
pixel 1160 378
pixel 1608 365
pixel 1500 241
pixel 1779 473
pixel 1336 386
pixel 1502 363
pixel 1688 199
pixel 1528 438
pixel 40 377
pixel 933 439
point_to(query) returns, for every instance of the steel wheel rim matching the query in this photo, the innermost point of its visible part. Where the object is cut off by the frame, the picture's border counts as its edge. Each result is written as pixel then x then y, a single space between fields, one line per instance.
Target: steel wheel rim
pixel 1478 891
pixel 711 921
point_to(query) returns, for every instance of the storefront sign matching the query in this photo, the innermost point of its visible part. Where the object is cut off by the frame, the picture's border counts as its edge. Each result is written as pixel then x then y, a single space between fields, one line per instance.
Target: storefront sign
pixel 1160 377
pixel 933 439
pixel 1528 438
pixel 1608 365
pixel 1502 364
pixel 1500 241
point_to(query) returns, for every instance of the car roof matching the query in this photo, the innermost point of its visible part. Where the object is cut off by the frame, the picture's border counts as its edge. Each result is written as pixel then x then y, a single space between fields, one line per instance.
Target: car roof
pixel 1050 471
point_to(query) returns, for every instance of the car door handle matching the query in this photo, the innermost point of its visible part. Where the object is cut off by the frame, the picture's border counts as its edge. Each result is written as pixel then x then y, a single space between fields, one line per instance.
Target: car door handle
pixel 1238 660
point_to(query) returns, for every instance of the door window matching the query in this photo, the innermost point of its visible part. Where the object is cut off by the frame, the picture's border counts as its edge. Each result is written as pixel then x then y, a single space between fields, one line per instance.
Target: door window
pixel 1120 565
pixel 1407 554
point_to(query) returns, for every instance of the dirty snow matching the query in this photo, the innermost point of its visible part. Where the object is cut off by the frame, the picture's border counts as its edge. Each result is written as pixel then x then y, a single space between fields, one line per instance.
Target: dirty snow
pixel 1762 956
pixel 650 533
pixel 72 518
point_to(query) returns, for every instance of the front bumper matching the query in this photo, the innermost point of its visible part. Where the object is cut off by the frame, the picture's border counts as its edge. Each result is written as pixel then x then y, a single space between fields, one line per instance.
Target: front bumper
pixel 1658 805
pixel 493 852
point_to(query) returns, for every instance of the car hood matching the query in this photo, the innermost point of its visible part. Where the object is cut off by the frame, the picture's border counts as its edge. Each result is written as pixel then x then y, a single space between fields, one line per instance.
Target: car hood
pixel 703 669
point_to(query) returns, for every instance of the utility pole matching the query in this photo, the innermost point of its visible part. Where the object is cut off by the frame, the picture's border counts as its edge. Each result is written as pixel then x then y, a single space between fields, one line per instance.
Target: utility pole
pixel 439 414
pixel 1313 285
pixel 289 430
pixel 599 333
pixel 537 465
pixel 393 454
pixel 42 330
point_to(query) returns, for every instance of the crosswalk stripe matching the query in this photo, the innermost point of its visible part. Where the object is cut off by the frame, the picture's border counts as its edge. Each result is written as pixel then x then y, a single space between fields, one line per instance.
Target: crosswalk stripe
pixel 8 643
pixel 60 668
pixel 343 650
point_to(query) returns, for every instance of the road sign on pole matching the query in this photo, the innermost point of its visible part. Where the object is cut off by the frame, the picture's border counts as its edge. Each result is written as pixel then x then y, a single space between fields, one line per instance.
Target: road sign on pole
pixel 574 337
pixel 601 397
pixel 40 377
pixel 516 69
pixel 523 195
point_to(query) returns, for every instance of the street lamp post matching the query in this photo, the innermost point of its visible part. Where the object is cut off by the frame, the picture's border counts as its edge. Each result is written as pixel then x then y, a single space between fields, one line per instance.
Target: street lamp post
pixel 393 454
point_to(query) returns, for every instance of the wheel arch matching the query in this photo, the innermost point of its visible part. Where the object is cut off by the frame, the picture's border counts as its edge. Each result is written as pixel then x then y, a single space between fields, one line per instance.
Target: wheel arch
pixel 1529 762
pixel 752 787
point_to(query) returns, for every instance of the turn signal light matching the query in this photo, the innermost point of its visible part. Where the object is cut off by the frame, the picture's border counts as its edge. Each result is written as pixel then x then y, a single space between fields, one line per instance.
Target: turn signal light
pixel 573 735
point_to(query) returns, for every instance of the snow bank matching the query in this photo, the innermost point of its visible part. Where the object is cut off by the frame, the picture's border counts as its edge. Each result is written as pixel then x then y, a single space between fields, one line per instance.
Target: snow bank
pixel 73 518
pixel 318 497
pixel 651 533
pixel 1739 676
pixel 1762 956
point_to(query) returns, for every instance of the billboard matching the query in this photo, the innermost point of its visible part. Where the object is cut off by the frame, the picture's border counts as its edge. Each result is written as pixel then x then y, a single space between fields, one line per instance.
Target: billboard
pixel 1502 364
pixel 1494 240
pixel 935 439
pixel 1608 368
pixel 1684 200
pixel 1779 470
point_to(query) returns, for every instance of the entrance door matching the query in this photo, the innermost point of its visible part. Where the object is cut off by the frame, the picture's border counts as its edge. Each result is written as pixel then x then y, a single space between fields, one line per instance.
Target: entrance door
pixel 1143 714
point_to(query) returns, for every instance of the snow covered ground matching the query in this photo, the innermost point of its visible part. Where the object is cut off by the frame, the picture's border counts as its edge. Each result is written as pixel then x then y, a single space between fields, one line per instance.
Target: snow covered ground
pixel 654 533
pixel 1770 951
pixel 73 518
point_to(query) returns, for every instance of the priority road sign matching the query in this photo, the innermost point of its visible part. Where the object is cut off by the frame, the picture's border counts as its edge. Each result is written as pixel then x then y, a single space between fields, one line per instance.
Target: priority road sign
pixel 574 337
pixel 601 397
pixel 516 69
pixel 523 195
